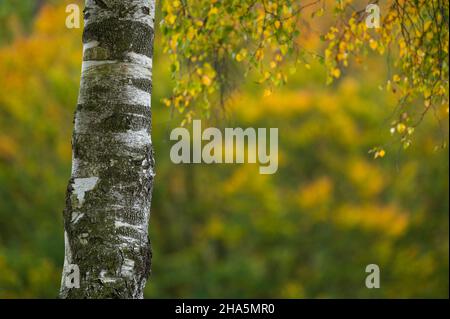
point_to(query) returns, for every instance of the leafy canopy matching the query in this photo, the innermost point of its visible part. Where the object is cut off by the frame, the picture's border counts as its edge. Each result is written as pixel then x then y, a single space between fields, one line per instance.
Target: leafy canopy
pixel 209 41
pixel 414 37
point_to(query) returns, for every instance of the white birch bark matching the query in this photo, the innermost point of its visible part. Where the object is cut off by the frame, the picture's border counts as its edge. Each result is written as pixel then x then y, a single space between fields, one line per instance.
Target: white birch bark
pixel 109 193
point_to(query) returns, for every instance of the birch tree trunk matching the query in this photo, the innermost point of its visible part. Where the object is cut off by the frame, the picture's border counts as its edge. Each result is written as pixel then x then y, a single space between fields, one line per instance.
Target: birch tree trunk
pixel 108 197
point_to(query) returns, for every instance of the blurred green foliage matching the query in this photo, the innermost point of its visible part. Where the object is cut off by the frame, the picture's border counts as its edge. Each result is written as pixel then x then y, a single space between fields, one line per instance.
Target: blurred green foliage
pixel 16 17
pixel 224 230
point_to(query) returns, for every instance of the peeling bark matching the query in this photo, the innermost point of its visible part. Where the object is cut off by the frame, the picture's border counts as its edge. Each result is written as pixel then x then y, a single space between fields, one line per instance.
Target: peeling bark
pixel 109 194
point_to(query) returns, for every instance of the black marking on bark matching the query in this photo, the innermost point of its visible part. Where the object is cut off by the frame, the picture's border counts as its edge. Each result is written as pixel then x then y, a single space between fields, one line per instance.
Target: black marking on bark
pixel 101 4
pixel 143 84
pixel 86 13
pixel 98 89
pixel 102 148
pixel 117 122
pixel 96 54
pixel 121 37
pixel 148 253
pixel 116 108
pixel 103 95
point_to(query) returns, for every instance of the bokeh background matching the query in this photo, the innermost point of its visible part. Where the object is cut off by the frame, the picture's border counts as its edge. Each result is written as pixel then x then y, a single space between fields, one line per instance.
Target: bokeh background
pixel 224 230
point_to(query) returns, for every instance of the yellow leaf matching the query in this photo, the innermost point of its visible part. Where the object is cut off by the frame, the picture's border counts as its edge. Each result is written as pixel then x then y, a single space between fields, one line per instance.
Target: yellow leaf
pixel 206 80
pixel 171 18
pixel 259 54
pixel 336 73
pixel 241 55
pixel 373 44
pixel 380 154
pixel 213 11
pixel 401 128
pixel 191 33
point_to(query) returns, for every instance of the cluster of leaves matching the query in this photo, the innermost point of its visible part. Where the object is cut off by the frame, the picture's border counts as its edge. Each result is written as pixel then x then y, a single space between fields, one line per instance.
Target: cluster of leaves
pixel 210 42
pixel 414 35
pixel 206 39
